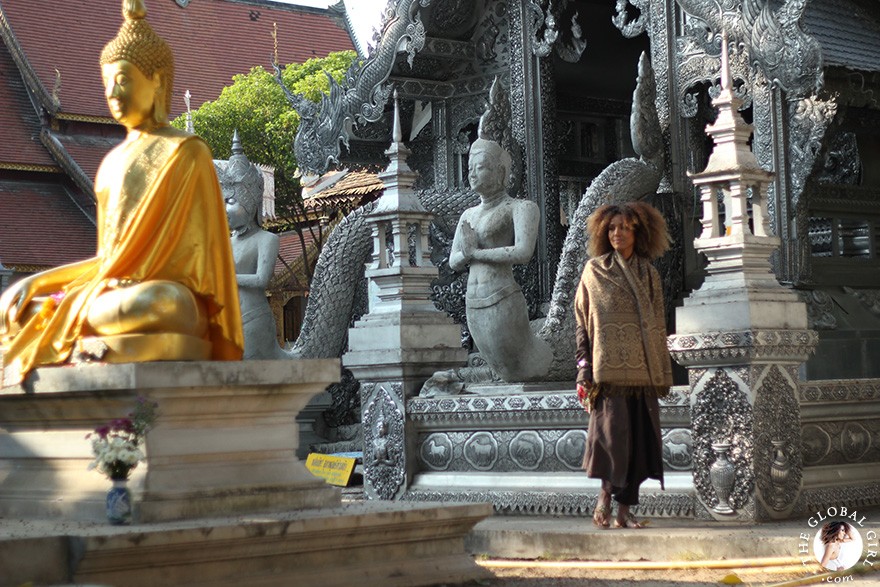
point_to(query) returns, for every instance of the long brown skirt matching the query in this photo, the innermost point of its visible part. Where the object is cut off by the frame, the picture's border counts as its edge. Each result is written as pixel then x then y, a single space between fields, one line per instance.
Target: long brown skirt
pixel 623 441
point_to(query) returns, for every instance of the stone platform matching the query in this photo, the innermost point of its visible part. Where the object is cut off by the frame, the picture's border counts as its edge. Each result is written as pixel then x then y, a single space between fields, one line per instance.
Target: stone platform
pixel 662 539
pixel 371 544
pixel 521 449
pixel 224 440
pixel 222 498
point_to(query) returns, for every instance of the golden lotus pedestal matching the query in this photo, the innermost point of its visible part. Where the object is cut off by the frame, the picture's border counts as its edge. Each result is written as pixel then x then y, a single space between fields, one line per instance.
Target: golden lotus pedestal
pixel 222 499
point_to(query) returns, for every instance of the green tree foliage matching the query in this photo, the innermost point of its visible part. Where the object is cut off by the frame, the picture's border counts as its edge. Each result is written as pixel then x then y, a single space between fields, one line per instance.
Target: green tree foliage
pixel 266 123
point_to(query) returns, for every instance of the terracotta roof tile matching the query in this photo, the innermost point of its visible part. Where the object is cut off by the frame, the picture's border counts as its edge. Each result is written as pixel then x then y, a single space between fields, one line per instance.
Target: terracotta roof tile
pixel 212 41
pixel 354 183
pixel 20 144
pixel 290 248
pixel 344 190
pixel 290 274
pixel 41 225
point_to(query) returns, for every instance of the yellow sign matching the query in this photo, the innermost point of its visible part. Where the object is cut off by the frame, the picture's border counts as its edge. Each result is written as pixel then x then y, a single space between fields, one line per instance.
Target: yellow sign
pixel 333 470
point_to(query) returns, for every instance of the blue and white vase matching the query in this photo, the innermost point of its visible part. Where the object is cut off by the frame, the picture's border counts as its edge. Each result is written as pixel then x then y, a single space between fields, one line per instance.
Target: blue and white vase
pixel 119 503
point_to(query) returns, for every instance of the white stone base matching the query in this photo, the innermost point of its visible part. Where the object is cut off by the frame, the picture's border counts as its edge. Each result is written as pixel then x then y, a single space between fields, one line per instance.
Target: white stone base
pixel 381 545
pixel 224 441
pixel 405 346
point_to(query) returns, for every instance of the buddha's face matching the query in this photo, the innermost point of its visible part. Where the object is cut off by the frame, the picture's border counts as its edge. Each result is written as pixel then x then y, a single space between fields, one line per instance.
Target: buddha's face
pixel 131 95
pixel 485 173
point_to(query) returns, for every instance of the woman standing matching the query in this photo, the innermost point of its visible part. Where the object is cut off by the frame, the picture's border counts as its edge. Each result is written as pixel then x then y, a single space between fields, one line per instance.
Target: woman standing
pixel 623 363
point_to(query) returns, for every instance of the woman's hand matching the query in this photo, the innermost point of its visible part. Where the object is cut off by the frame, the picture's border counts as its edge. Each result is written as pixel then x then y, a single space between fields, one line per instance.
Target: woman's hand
pixel 583 396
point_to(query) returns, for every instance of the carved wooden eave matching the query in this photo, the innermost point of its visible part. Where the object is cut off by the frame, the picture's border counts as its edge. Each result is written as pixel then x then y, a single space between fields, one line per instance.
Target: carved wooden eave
pixel 51 108
pixel 340 14
pixel 69 165
pixel 49 103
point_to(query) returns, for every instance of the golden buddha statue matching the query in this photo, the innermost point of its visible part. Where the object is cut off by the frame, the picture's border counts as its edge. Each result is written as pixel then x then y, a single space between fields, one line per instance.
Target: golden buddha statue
pixel 162 284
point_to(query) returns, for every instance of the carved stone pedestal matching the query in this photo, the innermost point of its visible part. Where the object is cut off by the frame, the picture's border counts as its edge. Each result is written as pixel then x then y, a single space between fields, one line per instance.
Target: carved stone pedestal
pixel 406 356
pixel 742 336
pixel 224 440
pixel 746 420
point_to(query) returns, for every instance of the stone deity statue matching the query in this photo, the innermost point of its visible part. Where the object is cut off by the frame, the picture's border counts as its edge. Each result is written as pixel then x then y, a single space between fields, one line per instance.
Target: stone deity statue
pixel 490 238
pixel 254 250
pixel 162 284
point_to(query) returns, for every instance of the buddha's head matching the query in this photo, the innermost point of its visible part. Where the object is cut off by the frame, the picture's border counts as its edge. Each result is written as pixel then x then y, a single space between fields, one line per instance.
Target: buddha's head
pixel 489 167
pixel 138 70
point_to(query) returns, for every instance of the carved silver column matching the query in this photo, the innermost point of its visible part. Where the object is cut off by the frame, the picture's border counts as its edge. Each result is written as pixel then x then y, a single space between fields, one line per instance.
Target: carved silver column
pixel 533 106
pixel 403 339
pixel 443 166
pixel 742 337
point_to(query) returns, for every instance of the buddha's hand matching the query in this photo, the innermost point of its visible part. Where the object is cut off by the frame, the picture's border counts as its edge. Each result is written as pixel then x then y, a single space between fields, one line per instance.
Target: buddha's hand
pixel 468 242
pixel 14 300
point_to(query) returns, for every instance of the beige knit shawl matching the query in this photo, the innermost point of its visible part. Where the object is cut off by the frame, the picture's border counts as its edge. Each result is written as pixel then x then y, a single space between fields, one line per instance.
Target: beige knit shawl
pixel 620 305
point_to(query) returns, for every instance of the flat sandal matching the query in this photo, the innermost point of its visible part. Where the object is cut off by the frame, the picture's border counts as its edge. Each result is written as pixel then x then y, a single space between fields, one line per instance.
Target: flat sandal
pixel 601 515
pixel 629 521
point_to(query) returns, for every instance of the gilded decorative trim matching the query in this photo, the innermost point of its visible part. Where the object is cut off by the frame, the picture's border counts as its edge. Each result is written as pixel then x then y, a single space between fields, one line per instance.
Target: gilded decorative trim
pixel 85 118
pixel 28 167
pixel 23 268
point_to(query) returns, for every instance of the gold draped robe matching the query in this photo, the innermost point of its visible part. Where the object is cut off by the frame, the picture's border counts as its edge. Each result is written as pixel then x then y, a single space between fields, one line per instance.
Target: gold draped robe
pixel 164 220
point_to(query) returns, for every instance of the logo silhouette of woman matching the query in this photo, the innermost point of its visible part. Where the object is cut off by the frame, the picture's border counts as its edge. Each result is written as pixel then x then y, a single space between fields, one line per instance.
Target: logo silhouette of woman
pixel 834 534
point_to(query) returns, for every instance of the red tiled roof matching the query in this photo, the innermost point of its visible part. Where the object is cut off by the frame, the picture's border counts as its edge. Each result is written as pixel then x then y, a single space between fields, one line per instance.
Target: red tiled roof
pixel 41 225
pixel 290 249
pixel 20 143
pixel 212 40
pixel 291 274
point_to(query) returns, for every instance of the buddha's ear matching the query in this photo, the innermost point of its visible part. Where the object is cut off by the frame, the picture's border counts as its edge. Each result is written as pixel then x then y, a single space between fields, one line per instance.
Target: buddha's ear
pixel 160 113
